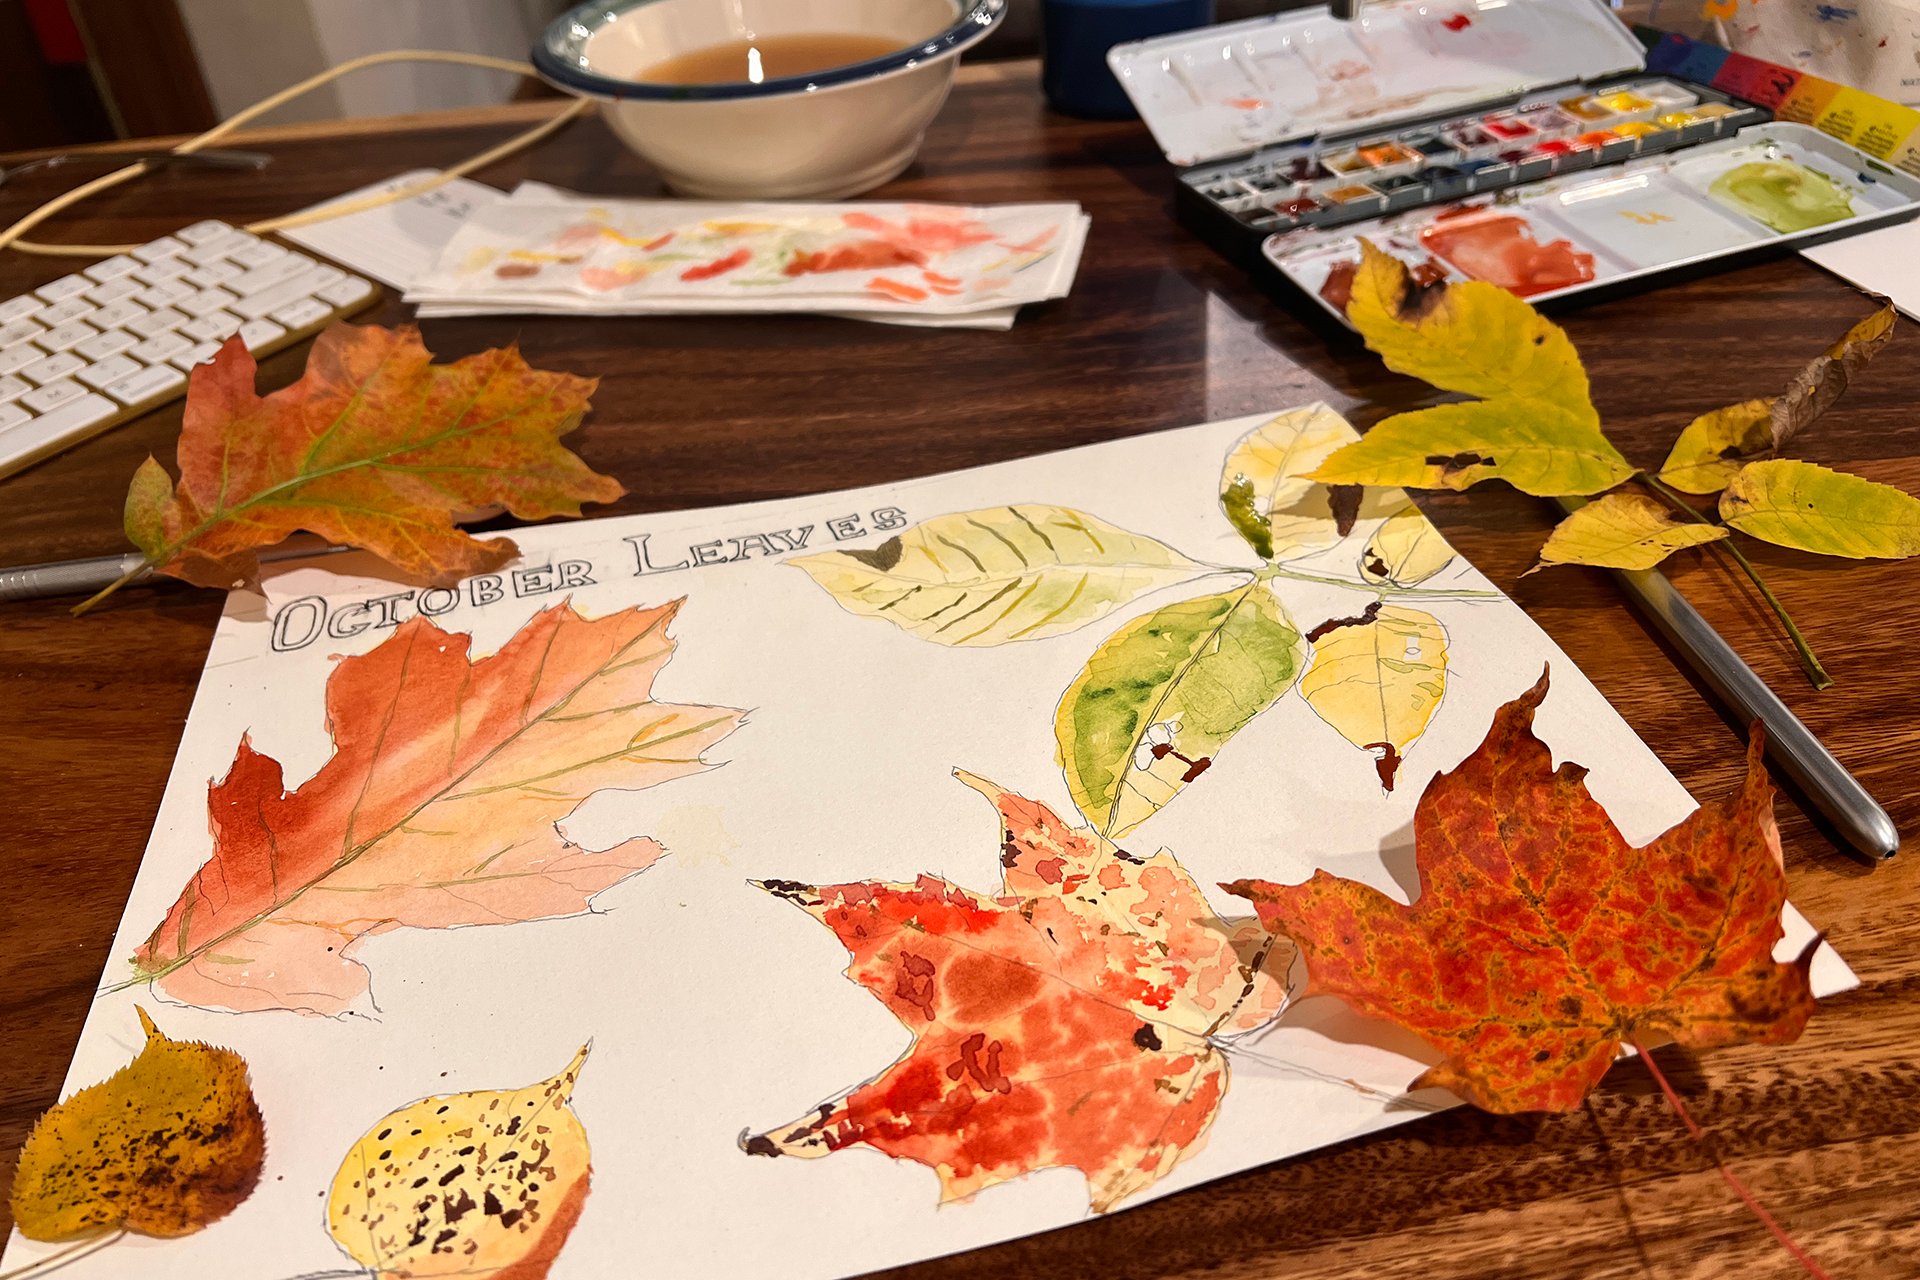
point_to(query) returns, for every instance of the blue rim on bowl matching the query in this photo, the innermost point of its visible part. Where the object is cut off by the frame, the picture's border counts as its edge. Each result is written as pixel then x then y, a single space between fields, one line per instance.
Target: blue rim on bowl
pixel 561 57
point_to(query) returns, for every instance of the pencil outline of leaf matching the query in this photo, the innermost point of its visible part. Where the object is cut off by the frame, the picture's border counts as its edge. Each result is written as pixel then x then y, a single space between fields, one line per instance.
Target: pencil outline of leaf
pixel 1266 492
pixel 1348 654
pixel 1403 550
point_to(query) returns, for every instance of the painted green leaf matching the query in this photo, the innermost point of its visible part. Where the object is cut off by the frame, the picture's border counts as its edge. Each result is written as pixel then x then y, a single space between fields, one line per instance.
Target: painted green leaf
pixel 1163 694
pixel 1623 531
pixel 1831 513
pixel 998 575
pixel 1715 445
pixel 1266 494
pixel 1406 549
pixel 1377 678
pixel 1533 424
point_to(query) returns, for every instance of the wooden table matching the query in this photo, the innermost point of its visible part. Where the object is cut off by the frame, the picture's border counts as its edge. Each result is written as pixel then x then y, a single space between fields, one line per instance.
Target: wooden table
pixel 1159 332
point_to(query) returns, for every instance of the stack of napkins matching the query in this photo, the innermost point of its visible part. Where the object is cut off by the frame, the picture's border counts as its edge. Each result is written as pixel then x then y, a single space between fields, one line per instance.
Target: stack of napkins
pixel 545 251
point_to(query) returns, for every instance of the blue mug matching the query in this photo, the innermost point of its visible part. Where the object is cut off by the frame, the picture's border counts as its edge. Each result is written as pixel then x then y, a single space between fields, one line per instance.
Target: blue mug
pixel 1076 34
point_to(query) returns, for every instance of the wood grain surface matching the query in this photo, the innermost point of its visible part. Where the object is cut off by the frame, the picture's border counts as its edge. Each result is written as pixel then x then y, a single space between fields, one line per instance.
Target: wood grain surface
pixel 1159 332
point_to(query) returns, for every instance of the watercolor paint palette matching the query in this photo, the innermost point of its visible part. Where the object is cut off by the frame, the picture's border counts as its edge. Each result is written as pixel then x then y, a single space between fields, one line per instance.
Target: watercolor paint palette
pixel 1776 185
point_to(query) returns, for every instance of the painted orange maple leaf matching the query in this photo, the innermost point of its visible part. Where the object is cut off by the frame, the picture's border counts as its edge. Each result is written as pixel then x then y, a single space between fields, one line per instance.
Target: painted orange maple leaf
pixel 1541 940
pixel 1069 1020
pixel 374 447
pixel 437 809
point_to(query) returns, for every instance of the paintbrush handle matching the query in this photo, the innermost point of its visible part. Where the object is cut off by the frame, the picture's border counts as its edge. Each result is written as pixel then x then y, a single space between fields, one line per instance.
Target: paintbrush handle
pixel 67 577
pixel 1791 746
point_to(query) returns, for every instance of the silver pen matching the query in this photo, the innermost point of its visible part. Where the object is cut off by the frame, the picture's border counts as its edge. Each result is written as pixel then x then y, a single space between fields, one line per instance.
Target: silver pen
pixel 1791 746
pixel 84 577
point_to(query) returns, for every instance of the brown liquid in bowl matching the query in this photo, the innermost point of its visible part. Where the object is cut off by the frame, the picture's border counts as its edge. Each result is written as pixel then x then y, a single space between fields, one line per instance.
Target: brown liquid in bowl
pixel 767 58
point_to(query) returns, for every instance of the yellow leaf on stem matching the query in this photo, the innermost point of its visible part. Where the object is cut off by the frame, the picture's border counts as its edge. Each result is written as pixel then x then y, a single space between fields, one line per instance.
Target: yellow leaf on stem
pixel 1623 531
pixel 1811 508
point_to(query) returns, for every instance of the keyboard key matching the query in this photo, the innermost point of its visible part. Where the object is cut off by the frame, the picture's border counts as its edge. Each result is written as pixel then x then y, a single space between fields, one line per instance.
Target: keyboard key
pixel 146 384
pixel 14 359
pixel 212 327
pixel 195 355
pixel 267 301
pixel 53 368
pixel 157 321
pixel 324 275
pixel 11 415
pixel 110 343
pixel 258 333
pixel 37 434
pixel 160 248
pixel 71 334
pixel 14 388
pixel 113 268
pixel 201 232
pixel 214 250
pixel 164 294
pixel 52 396
pixel 61 312
pixel 283 268
pixel 163 269
pixel 63 288
pixel 160 348
pixel 112 369
pixel 257 254
pixel 116 315
pixel 19 331
pixel 300 314
pixel 114 290
pixel 212 274
pixel 19 308
pixel 206 300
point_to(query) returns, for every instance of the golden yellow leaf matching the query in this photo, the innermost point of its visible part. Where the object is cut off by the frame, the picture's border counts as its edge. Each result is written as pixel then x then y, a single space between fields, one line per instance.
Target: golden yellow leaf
pixel 1831 513
pixel 1377 679
pixel 1825 380
pixel 988 577
pixel 163 1146
pixel 1406 549
pixel 1266 493
pixel 488 1183
pixel 1623 531
pixel 1533 424
pixel 1715 444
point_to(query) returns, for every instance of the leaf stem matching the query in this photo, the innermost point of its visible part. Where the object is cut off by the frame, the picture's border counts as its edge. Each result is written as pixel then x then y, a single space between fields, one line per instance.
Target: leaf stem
pixel 1787 1242
pixel 138 570
pixel 1809 661
pixel 1373 588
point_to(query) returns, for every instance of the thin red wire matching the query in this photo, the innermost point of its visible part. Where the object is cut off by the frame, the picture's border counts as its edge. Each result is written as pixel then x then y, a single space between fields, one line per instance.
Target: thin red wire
pixel 1787 1242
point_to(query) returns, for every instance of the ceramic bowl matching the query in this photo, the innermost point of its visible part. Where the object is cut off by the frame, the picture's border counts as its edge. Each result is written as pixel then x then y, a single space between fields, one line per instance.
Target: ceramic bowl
pixel 823 135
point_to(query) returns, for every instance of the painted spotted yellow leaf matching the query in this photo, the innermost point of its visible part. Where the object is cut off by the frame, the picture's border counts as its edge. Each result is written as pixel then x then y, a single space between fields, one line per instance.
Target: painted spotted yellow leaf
pixel 167 1144
pixel 1265 492
pixel 1377 678
pixel 1623 531
pixel 488 1183
pixel 1162 695
pixel 1715 444
pixel 997 575
pixel 1831 513
pixel 1406 549
pixel 1532 423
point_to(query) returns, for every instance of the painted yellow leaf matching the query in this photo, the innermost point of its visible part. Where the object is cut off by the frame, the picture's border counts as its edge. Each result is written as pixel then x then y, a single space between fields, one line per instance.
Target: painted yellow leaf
pixel 1831 513
pixel 1406 549
pixel 1825 380
pixel 997 575
pixel 1623 531
pixel 1266 494
pixel 1533 423
pixel 1714 446
pixel 167 1144
pixel 1378 678
pixel 1162 695
pixel 488 1183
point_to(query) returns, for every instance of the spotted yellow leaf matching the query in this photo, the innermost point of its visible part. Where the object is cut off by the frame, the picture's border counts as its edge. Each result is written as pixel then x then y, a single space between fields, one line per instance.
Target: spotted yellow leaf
pixel 997 575
pixel 1406 549
pixel 1623 531
pixel 1377 678
pixel 1715 445
pixel 1532 423
pixel 1831 513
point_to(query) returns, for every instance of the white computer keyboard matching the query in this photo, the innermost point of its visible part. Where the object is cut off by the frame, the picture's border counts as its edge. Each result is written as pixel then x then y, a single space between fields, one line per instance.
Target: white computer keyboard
pixel 94 349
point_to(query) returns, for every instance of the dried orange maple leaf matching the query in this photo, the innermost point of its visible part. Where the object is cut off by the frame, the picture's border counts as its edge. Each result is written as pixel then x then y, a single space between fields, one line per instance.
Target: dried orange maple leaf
pixel 165 1145
pixel 375 447
pixel 1067 1020
pixel 1541 940
pixel 438 807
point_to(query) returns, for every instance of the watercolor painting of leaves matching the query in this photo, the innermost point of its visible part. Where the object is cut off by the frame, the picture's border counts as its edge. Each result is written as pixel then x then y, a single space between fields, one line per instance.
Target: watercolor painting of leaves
pixel 484 1183
pixel 1533 425
pixel 1165 693
pixel 1076 1017
pixel 440 807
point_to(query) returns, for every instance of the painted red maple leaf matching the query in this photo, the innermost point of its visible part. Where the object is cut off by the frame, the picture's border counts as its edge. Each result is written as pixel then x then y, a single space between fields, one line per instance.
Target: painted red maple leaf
pixel 1067 1020
pixel 1541 940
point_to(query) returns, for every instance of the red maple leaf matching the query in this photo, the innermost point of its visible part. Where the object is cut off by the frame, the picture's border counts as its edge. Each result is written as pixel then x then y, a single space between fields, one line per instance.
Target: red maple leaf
pixel 1067 1020
pixel 1541 940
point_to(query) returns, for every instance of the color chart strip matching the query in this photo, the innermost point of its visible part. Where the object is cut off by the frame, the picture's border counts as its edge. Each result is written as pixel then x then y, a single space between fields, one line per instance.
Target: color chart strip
pixel 1884 130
